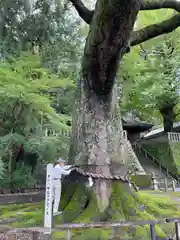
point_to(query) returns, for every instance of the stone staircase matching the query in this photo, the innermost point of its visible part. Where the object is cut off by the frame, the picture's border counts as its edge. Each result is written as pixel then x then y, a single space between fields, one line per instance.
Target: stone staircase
pixel 151 164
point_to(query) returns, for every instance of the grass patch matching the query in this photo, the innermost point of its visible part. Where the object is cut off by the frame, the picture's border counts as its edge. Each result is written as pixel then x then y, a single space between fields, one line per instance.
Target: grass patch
pixel 160 206
pixel 169 194
pixel 31 214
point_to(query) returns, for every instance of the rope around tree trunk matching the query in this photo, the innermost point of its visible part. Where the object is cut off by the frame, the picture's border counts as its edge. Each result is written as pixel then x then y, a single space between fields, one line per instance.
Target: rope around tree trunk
pixel 86 173
pixel 96 175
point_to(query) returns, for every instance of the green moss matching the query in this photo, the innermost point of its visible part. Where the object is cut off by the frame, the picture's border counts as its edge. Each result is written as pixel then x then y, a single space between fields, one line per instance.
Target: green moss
pixel 134 210
pixel 115 208
pixel 76 205
pixel 95 234
pixel 91 211
pixel 175 149
pixel 124 205
pixel 167 194
pixel 142 181
pixel 139 232
pixel 67 193
pixel 26 215
pixel 58 235
pixel 160 206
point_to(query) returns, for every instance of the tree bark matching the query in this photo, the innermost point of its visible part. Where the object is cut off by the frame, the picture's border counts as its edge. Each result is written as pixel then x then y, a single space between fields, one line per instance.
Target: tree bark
pixel 97 128
pixel 169 117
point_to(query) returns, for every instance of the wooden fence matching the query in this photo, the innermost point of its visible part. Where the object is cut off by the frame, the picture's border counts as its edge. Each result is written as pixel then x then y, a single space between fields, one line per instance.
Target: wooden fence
pixel 46 234
pixel 115 225
pixel 174 137
pixel 68 133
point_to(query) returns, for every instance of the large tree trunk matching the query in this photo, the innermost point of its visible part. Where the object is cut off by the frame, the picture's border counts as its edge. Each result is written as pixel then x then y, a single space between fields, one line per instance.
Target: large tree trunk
pixel 96 135
pixel 169 117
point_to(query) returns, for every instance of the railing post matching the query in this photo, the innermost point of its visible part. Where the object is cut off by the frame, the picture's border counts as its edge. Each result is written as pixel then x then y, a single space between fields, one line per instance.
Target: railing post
pixel 46 132
pixel 48 198
pixel 154 182
pixel 68 234
pixel 124 134
pixel 173 186
pixel 177 230
pixel 165 185
pixel 115 232
pixel 167 172
pixel 160 169
pixel 152 232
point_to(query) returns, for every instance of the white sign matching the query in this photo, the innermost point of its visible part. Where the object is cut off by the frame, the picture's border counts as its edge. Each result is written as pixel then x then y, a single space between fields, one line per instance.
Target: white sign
pixel 48 198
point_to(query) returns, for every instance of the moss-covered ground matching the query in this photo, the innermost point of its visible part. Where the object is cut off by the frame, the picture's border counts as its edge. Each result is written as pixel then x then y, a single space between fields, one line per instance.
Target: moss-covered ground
pixel 31 214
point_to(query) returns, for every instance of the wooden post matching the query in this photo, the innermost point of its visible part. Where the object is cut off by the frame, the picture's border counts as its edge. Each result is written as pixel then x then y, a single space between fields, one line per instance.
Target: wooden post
pixel 154 182
pixel 114 232
pixel 68 234
pixel 167 173
pixel 152 232
pixel 165 185
pixel 160 168
pixel 173 186
pixel 46 132
pixel 48 198
pixel 177 230
pixel 53 219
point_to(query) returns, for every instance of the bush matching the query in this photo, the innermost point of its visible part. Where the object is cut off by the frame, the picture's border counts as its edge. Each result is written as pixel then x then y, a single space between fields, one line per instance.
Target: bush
pixel 21 178
pixel 1 169
pixel 142 181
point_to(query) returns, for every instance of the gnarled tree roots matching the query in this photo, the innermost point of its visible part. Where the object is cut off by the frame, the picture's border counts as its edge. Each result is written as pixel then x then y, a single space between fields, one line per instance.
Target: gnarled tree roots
pixel 79 204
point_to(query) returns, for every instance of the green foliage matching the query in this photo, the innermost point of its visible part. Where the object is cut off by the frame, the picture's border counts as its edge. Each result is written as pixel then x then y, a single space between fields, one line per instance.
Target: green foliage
pixel 1 169
pixel 162 151
pixel 31 214
pixel 143 181
pixel 26 112
pixel 175 151
pixel 42 27
pixel 11 17
pixel 150 72
pixel 21 177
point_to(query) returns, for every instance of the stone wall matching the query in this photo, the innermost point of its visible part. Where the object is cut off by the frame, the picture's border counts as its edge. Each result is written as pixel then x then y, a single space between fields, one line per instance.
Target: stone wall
pixel 27 234
pixel 21 198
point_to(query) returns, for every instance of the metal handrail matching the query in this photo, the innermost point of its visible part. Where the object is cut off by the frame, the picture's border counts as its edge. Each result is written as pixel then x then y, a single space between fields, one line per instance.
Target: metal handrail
pixel 102 225
pixel 114 225
pixel 157 162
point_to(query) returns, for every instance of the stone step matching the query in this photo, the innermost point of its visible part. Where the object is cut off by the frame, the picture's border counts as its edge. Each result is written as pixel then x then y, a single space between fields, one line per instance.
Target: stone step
pixel 150 167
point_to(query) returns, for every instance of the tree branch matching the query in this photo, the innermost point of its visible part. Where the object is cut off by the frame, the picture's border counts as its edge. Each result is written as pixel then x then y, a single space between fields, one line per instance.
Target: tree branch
pixel 159 4
pixel 87 14
pixel 155 30
pixel 148 32
pixel 83 11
